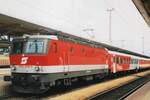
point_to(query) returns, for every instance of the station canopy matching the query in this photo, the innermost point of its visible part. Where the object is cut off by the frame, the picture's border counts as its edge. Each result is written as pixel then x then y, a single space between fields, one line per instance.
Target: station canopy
pixel 4 44
pixel 144 8
pixel 14 27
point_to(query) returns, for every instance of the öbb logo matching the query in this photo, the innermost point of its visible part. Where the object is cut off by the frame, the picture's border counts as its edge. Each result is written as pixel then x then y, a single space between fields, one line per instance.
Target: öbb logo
pixel 24 60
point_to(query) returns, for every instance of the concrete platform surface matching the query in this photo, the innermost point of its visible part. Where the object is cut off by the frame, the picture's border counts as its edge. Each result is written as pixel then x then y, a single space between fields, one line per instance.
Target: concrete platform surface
pixel 5 71
pixel 141 94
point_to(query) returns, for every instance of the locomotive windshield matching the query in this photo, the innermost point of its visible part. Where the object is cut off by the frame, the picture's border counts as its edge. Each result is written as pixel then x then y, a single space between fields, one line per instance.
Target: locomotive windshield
pixel 29 46
pixel 34 46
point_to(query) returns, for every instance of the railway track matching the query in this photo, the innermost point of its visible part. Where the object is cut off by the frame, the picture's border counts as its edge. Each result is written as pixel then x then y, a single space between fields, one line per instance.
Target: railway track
pixel 17 96
pixel 121 92
pixel 54 92
pixel 5 97
pixel 7 93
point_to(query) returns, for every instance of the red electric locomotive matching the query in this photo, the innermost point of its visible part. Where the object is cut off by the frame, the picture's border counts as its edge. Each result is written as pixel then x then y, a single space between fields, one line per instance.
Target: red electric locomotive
pixel 41 61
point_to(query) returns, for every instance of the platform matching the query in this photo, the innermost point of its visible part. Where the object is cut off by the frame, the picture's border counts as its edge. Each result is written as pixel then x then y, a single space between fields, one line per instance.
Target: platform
pixel 141 94
pixel 5 71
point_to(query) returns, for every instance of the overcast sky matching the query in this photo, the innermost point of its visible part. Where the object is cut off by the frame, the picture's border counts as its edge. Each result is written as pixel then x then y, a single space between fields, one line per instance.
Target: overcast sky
pixel 74 16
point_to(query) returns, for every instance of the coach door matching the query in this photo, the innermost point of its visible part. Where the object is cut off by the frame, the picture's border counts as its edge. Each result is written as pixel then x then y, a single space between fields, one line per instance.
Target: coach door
pixel 114 63
pixel 134 64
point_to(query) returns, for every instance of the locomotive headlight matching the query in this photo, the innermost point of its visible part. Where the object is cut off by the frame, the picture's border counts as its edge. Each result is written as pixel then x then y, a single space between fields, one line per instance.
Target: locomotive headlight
pixel 37 68
pixel 13 68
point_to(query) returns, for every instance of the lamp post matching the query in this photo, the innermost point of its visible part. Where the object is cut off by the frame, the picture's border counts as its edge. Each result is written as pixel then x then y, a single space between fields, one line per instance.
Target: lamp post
pixel 110 23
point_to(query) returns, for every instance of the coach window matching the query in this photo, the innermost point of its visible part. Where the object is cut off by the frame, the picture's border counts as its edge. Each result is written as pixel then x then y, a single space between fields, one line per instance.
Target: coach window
pixel 117 59
pixel 114 59
pixel 132 61
pixel 136 61
pixel 124 60
pixel 120 60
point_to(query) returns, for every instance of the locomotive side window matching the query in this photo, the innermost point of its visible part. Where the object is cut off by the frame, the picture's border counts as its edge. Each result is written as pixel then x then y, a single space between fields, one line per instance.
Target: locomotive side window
pixel 54 47
pixel 71 49
pixel 17 47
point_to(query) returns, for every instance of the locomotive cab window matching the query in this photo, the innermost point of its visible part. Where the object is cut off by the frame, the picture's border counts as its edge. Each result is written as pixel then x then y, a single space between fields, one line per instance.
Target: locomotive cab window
pixel 34 46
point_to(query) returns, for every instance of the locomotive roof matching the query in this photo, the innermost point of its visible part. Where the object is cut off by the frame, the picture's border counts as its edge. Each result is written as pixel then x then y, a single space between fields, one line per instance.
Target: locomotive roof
pixel 37 36
pixel 96 44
